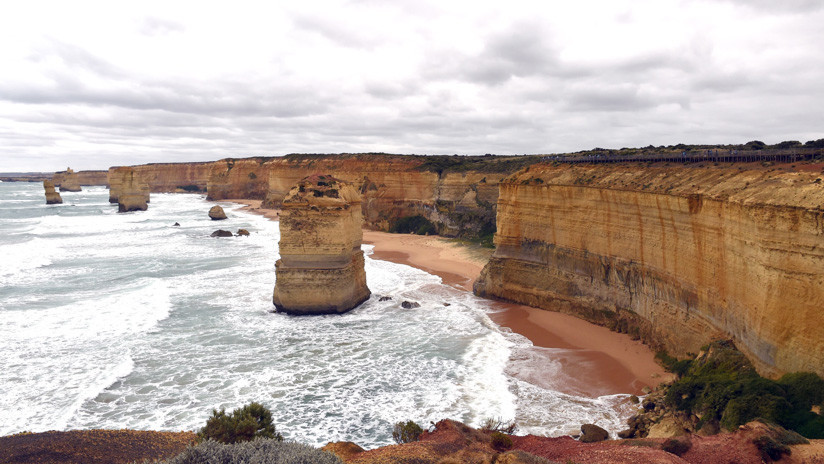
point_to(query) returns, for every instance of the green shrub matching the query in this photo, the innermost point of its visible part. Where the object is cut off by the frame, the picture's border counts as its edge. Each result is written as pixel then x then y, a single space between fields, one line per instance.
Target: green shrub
pixel 406 432
pixel 243 424
pixel 770 449
pixel 413 224
pixel 258 451
pixel 501 441
pixel 676 447
pixel 724 387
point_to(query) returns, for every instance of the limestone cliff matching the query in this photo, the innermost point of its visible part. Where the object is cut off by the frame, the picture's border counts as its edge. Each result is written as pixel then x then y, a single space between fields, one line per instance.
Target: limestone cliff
pixel 132 191
pixel 67 180
pixel 321 266
pixel 52 197
pixel 245 178
pixel 680 254
pixel 171 177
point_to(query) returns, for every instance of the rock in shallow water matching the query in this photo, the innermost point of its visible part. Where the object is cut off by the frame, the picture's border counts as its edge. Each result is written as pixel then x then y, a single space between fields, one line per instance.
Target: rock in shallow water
pixel 222 233
pixel 217 213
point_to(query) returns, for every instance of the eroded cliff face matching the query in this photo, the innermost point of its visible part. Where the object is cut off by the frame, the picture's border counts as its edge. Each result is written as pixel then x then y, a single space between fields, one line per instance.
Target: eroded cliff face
pixel 393 187
pixel 130 190
pixel 246 178
pixel 67 180
pixel 680 254
pixel 52 197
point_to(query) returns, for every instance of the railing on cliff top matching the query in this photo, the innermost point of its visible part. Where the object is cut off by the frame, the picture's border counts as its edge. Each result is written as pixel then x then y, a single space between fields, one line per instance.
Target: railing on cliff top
pixel 788 155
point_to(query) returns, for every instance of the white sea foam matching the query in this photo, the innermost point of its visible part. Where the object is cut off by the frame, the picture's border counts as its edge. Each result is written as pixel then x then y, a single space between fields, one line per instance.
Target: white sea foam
pixel 121 320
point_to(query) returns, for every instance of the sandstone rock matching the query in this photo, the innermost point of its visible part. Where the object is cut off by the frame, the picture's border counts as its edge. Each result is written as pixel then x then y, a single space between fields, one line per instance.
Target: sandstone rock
pixel 321 267
pixel 132 191
pixel 669 426
pixel 591 433
pixel 52 197
pixel 222 233
pixel 410 305
pixel 691 254
pixel 345 450
pixel 68 181
pixel 242 232
pixel 385 298
pixel 217 213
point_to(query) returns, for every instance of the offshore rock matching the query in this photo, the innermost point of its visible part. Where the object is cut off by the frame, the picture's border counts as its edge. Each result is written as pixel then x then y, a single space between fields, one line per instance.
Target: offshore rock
pixel 217 213
pixel 133 194
pixel 222 233
pixel 52 197
pixel 116 176
pixel 242 232
pixel 320 270
pixel 591 433
pixel 67 180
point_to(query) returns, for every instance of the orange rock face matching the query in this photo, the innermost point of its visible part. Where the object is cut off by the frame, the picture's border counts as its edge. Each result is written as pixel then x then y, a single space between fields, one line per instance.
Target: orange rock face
pixel 132 192
pixel 52 197
pixel 68 181
pixel 321 266
pixel 691 253
pixel 238 178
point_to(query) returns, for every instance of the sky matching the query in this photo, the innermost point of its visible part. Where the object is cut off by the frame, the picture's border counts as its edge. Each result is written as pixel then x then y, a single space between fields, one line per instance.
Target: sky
pixel 95 84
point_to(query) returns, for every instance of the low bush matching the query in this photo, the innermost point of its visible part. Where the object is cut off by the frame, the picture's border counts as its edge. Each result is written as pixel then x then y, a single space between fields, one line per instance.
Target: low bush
pixel 243 424
pixel 258 451
pixel 406 432
pixel 492 424
pixel 770 449
pixel 501 441
pixel 723 386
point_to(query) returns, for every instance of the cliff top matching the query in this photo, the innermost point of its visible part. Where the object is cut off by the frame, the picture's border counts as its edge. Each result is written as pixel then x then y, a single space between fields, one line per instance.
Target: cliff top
pixel 798 184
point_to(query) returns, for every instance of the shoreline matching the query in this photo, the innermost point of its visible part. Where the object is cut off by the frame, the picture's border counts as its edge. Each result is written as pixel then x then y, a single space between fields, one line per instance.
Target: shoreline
pixel 604 362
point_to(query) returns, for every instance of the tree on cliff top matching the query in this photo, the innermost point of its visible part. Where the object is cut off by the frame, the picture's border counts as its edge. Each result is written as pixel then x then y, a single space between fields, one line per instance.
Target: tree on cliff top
pixel 243 424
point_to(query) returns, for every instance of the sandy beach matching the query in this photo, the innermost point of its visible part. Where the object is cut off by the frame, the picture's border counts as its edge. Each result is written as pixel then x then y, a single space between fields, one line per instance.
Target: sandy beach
pixel 603 362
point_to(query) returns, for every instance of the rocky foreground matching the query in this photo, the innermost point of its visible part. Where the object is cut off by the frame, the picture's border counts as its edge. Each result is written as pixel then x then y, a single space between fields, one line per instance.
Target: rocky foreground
pixel 449 443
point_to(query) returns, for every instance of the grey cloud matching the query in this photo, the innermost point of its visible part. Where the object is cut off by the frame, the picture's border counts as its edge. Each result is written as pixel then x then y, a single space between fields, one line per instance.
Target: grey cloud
pixel 782 6
pixel 335 31
pixel 153 26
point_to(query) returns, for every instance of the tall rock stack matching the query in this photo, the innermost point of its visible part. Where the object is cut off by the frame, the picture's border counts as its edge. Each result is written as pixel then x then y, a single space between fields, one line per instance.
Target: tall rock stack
pixel 133 193
pixel 320 270
pixel 69 181
pixel 52 197
pixel 115 179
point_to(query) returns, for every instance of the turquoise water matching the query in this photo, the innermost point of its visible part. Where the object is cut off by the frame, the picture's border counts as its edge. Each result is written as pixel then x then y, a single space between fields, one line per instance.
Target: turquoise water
pixel 114 320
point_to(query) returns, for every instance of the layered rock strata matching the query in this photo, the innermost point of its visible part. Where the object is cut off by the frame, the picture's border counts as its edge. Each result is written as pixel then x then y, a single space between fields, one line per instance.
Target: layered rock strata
pixel 681 255
pixel 170 177
pixel 132 191
pixel 321 265
pixel 52 197
pixel 68 181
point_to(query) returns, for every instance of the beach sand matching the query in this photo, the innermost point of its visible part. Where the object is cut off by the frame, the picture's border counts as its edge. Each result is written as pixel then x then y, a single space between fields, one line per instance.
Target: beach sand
pixel 595 361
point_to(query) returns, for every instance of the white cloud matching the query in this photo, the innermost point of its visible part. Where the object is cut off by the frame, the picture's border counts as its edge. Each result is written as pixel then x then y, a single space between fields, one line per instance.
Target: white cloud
pixel 95 84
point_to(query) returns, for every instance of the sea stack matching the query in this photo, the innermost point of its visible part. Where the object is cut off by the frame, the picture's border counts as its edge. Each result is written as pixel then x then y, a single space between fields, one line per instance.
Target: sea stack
pixel 52 197
pixel 69 181
pixel 133 193
pixel 320 270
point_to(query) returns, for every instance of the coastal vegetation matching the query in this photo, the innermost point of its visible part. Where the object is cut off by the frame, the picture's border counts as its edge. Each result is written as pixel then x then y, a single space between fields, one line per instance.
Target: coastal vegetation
pixel 258 451
pixel 722 386
pixel 243 424
pixel 406 432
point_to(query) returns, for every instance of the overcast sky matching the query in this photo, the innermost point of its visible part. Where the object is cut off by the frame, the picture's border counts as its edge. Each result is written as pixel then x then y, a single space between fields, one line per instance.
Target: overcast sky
pixel 95 84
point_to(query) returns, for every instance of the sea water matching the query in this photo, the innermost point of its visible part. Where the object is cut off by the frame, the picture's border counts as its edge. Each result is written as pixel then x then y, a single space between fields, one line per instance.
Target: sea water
pixel 123 320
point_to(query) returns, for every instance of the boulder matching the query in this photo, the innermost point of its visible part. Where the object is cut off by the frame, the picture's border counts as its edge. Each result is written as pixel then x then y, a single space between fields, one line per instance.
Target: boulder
pixel 385 298
pixel 321 266
pixel 222 233
pixel 242 232
pixel 410 305
pixel 176 224
pixel 217 213
pixel 52 197
pixel 591 433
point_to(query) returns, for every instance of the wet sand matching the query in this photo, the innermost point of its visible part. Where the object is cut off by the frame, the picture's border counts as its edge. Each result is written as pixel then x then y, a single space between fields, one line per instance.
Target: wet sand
pixel 594 360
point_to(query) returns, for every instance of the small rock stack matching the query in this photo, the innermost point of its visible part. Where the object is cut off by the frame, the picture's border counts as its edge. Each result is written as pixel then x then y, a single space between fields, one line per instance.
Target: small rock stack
pixel 320 270
pixel 132 192
pixel 52 197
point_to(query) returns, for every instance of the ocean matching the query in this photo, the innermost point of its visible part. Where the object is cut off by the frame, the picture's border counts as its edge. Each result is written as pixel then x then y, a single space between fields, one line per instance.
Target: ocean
pixel 112 320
